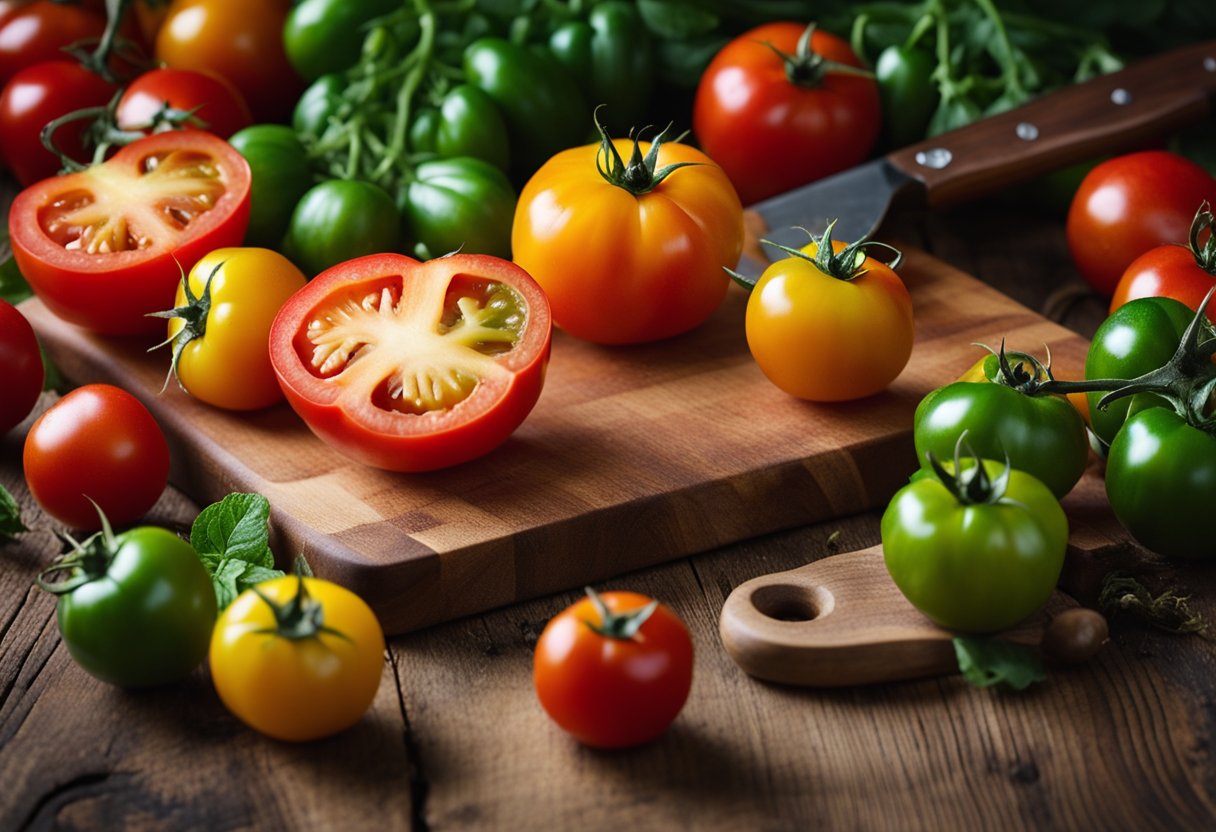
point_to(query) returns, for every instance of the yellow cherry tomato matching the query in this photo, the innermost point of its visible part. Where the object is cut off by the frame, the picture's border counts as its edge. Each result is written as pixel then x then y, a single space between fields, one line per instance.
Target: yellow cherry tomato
pixel 297 671
pixel 221 327
pixel 830 333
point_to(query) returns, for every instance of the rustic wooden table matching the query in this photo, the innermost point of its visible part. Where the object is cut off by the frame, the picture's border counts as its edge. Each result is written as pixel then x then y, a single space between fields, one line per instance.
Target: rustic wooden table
pixel 456 739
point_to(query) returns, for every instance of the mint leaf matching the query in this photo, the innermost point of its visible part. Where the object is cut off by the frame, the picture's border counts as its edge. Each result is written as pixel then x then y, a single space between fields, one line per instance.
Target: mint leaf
pixel 232 538
pixel 10 517
pixel 985 662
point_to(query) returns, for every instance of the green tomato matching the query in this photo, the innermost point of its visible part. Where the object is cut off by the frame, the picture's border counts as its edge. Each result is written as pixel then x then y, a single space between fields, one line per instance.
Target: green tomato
pixel 322 36
pixel 281 174
pixel 320 101
pixel 610 56
pixel 1138 337
pixel 979 567
pixel 139 611
pixel 909 94
pixel 1042 434
pixel 466 123
pixel 340 219
pixel 460 203
pixel 540 102
pixel 1161 482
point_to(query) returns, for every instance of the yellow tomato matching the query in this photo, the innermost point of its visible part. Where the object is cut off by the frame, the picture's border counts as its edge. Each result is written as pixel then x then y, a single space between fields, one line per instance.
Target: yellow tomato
pixel 627 252
pixel 221 326
pixel 830 337
pixel 299 679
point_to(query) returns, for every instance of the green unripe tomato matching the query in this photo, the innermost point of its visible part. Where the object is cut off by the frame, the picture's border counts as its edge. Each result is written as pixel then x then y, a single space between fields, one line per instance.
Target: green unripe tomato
pixel 338 220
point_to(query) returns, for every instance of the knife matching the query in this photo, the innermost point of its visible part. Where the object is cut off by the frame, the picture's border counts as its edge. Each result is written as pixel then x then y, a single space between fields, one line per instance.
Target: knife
pixel 1109 114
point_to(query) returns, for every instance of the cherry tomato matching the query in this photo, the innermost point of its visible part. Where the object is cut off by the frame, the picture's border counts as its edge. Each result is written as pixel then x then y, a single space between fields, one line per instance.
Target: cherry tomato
pixel 632 254
pixel 830 329
pixel 1174 271
pixel 414 366
pixel 222 320
pixel 103 248
pixel 1128 205
pixel 35 96
pixel 297 674
pixel 614 670
pixel 243 42
pixel 218 106
pixel 21 371
pixel 35 32
pixel 97 442
pixel 774 121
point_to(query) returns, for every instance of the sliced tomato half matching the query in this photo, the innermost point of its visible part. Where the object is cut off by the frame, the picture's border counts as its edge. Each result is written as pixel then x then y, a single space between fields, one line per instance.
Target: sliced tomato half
pixel 103 247
pixel 414 366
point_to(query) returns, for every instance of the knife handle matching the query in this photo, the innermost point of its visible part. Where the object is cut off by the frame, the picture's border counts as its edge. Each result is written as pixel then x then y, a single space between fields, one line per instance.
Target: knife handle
pixel 1110 114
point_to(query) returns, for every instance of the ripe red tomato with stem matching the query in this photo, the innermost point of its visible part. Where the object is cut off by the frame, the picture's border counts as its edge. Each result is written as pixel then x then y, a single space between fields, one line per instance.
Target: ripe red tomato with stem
pixel 31 33
pixel 614 670
pixel 97 443
pixel 1130 204
pixel 216 106
pixel 105 246
pixel 21 370
pixel 784 104
pixel 37 95
pixel 1182 272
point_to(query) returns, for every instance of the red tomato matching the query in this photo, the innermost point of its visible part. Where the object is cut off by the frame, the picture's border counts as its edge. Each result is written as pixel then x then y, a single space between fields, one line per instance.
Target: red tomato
pixel 775 122
pixel 35 32
pixel 414 366
pixel 35 96
pixel 243 42
pixel 21 372
pixel 104 247
pixel 1179 272
pixel 221 108
pixel 608 688
pixel 1130 204
pixel 96 442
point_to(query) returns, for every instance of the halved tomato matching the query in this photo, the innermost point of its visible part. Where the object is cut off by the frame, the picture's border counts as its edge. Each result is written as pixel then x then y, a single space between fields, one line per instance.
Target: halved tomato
pixel 414 366
pixel 105 246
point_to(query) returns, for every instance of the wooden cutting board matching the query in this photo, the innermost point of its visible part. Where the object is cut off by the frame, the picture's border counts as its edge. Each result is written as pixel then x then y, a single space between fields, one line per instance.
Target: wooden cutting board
pixel 632 457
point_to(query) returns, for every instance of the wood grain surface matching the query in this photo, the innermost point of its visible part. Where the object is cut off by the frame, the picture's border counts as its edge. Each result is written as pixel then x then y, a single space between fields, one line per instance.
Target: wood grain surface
pixel 632 457
pixel 456 740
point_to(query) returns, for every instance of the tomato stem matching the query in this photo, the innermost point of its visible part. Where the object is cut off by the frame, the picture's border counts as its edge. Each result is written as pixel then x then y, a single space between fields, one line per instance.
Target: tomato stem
pixel 806 68
pixel 618 625
pixel 970 486
pixel 641 174
pixel 194 313
pixel 300 618
pixel 1205 254
pixel 86 561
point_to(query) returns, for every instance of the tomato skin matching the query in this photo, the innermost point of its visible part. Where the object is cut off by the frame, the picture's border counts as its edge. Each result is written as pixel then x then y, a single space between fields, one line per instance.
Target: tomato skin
pixel 626 269
pixel 1165 271
pixel 1161 481
pixel 909 95
pixel 322 36
pixel 341 407
pixel 1128 205
pixel 21 370
pixel 35 32
pixel 297 690
pixel 35 96
pixel 243 42
pixel 113 292
pixel 248 286
pixel 96 442
pixel 975 568
pixel 827 340
pixel 612 692
pixel 338 220
pixel 281 174
pixel 146 621
pixel 212 99
pixel 770 134
pixel 460 204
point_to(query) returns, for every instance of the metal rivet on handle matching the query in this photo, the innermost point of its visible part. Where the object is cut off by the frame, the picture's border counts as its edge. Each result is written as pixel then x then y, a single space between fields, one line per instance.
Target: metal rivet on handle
pixel 1026 131
pixel 1121 97
pixel 936 158
pixel 1209 63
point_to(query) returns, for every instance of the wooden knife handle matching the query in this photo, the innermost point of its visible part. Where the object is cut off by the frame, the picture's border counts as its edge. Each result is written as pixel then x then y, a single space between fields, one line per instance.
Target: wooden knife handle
pixel 1110 114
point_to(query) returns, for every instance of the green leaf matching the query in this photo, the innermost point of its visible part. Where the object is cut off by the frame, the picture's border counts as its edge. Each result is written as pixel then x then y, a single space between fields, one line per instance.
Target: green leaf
pixel 985 662
pixel 13 287
pixel 226 579
pixel 10 517
pixel 235 527
pixel 674 20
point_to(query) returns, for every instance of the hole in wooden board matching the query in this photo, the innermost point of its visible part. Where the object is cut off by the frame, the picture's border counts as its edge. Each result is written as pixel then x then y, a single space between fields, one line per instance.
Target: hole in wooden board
pixel 786 602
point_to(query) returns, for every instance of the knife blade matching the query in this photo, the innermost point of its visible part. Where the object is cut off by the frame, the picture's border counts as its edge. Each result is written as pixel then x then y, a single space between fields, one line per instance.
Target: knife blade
pixel 1109 114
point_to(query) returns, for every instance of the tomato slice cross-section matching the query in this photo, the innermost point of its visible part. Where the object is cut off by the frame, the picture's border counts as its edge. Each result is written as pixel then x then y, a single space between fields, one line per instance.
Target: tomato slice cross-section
pixel 414 366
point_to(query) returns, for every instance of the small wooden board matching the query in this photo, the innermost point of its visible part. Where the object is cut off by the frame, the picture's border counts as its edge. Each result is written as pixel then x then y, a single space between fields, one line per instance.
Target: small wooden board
pixel 632 457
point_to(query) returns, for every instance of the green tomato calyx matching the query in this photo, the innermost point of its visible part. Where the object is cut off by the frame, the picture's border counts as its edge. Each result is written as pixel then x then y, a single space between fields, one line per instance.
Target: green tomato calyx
pixel 302 617
pixel 85 561
pixel 618 625
pixel 1205 253
pixel 846 264
pixel 641 173
pixel 971 485
pixel 806 68
pixel 194 313
pixel 1016 374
